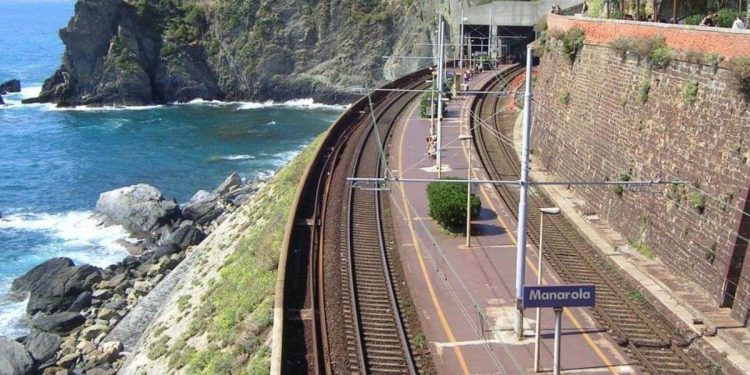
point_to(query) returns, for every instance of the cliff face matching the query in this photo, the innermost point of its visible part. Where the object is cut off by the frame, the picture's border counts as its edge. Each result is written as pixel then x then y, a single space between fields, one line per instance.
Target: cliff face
pixel 137 52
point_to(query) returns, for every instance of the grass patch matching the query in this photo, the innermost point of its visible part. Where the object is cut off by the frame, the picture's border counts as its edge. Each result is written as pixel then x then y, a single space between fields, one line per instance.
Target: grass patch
pixel 236 311
pixel 635 295
pixel 740 66
pixel 564 98
pixel 661 56
pixel 183 302
pixel 624 177
pixel 643 248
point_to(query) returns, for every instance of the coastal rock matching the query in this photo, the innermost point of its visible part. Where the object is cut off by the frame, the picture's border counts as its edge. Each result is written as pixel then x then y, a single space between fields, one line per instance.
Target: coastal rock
pixel 13 85
pixel 1 103
pixel 82 302
pixel 58 323
pixel 67 361
pixel 203 210
pixel 14 359
pixel 92 332
pixel 139 208
pixel 166 249
pixel 229 184
pixel 185 236
pixel 42 346
pixel 55 284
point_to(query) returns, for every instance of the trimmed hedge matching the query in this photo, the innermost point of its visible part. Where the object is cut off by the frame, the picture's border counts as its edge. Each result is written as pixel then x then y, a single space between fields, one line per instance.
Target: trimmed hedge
pixel 447 204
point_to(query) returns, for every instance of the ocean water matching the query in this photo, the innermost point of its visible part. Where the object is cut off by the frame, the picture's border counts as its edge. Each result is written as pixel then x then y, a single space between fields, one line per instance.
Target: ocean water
pixel 54 163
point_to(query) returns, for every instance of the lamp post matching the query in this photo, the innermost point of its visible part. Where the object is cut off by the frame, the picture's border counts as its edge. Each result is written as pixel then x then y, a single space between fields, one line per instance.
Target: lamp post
pixel 468 137
pixel 461 41
pixel 552 211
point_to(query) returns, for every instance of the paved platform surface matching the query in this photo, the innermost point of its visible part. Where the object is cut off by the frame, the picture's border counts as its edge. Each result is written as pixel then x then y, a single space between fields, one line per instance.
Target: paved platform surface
pixel 465 296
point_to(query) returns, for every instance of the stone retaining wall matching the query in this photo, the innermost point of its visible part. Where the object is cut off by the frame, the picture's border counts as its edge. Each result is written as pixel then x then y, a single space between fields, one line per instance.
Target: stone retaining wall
pixel 590 124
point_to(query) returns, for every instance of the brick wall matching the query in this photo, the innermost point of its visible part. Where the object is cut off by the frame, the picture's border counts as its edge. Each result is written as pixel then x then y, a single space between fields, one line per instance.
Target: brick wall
pixel 604 130
pixel 726 42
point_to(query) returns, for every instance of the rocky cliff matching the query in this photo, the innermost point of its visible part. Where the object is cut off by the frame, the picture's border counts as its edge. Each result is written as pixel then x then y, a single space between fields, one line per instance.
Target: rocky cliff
pixel 135 52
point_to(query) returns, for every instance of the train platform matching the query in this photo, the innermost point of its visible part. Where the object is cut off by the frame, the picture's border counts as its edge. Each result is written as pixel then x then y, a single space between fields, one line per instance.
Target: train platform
pixel 466 295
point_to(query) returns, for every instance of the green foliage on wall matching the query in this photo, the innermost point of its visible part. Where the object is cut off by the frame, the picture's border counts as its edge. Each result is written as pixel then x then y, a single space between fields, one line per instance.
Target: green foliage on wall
pixel 573 42
pixel 690 91
pixel 661 56
pixel 644 86
pixel 740 66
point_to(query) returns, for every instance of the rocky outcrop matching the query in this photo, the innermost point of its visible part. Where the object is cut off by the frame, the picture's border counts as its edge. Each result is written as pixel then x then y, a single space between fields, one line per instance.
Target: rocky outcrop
pixel 13 85
pixel 73 308
pixel 1 100
pixel 144 51
pixel 55 285
pixel 139 208
pixel 14 360
pixel 42 347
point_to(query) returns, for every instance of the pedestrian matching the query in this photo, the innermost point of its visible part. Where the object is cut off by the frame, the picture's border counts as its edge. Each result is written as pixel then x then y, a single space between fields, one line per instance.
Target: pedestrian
pixel 585 9
pixel 738 24
pixel 708 20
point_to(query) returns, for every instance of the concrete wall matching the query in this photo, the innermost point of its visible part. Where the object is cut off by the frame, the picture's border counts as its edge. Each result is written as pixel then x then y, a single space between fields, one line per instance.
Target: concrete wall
pixel 604 130
pixel 511 13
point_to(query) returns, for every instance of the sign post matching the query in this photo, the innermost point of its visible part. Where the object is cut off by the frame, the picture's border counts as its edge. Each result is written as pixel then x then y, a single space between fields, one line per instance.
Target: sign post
pixel 557 297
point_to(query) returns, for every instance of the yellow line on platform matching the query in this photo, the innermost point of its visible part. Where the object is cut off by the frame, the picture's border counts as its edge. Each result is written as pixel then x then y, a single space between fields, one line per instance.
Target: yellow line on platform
pixel 531 265
pixel 433 295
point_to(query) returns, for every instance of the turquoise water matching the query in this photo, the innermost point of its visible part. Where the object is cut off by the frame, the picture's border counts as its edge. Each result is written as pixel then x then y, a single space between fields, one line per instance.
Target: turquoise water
pixel 54 163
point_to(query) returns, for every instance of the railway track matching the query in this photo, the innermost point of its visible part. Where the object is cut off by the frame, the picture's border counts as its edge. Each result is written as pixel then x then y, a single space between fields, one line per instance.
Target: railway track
pixel 651 341
pixel 344 301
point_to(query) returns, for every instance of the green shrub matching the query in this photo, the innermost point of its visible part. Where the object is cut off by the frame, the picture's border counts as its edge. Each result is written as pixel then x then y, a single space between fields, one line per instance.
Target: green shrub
pixel 690 91
pixel 661 56
pixel 573 42
pixel 621 45
pixel 447 205
pixel 740 66
pixel 697 201
pixel 643 89
pixel 624 177
pixel 555 34
pixel 726 16
pixel 644 47
pixel 713 59
pixel 694 19
pixel 564 98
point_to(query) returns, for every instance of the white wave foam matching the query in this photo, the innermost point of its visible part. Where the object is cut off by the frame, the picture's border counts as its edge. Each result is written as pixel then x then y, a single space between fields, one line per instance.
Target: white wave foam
pixel 271 123
pixel 237 157
pixel 82 236
pixel 296 103
pixel 12 314
pixel 83 108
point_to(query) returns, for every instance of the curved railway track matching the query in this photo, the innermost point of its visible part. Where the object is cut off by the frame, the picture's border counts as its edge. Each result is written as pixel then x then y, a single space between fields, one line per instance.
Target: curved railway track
pixel 648 337
pixel 343 307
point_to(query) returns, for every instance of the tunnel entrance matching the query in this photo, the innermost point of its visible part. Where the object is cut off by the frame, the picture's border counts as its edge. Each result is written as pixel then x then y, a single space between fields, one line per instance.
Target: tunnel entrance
pixel 501 44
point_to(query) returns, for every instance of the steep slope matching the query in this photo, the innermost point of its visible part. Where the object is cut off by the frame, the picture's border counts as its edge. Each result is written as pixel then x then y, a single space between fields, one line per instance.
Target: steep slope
pixel 134 52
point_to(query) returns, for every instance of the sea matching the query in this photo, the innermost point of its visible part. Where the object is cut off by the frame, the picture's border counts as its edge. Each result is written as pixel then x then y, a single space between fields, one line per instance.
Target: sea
pixel 55 162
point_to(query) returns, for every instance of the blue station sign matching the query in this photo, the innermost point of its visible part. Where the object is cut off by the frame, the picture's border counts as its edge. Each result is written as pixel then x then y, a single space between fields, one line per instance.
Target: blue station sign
pixel 569 295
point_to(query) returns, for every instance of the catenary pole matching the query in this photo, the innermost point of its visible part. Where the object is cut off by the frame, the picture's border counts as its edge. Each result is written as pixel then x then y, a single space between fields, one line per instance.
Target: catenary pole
pixel 441 73
pixel 522 205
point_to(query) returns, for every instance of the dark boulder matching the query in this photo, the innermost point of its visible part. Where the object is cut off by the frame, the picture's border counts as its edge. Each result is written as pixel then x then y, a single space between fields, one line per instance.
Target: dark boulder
pixel 186 236
pixel 233 182
pixel 42 346
pixel 13 85
pixel 55 284
pixel 166 249
pixel 81 303
pixel 203 208
pixel 14 359
pixel 140 208
pixel 1 103
pixel 63 322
